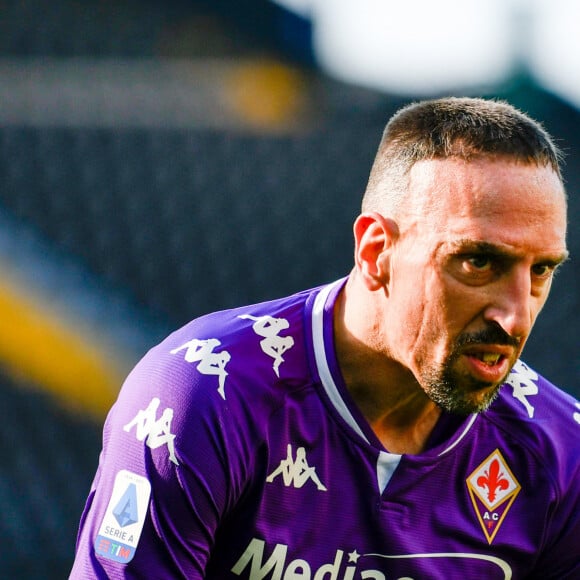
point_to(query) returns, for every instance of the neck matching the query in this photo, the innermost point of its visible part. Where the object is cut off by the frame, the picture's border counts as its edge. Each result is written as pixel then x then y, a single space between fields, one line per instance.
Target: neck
pixel 399 412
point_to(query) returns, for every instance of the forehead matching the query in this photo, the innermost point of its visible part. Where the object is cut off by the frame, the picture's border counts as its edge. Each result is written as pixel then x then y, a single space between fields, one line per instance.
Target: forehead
pixel 488 200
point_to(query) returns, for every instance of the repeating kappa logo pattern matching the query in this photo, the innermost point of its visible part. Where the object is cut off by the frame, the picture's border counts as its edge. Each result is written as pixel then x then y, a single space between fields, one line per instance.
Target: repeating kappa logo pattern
pixel 493 489
pixel 213 362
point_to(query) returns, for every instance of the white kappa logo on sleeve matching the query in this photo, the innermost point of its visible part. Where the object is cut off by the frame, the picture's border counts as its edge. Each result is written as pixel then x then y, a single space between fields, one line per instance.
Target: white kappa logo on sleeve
pixel 155 432
pixel 272 344
pixel 209 362
pixel 522 380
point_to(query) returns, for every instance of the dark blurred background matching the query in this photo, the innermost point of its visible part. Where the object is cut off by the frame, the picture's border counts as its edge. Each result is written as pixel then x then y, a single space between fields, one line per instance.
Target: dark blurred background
pixel 162 159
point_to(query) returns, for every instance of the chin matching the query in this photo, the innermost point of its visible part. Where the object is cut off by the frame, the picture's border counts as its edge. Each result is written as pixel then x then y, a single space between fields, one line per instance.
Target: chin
pixel 483 403
pixel 457 398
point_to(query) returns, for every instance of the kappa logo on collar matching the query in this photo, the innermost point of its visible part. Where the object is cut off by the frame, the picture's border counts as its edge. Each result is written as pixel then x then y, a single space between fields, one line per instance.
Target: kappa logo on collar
pixel 493 489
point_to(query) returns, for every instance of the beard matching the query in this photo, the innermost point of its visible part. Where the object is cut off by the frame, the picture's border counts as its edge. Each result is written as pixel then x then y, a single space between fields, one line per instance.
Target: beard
pixel 460 393
pixel 449 392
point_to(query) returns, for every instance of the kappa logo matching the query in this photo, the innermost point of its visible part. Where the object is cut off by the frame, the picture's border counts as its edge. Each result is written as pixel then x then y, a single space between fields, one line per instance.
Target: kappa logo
pixel 522 380
pixel 493 489
pixel 296 472
pixel 272 344
pixel 155 431
pixel 210 362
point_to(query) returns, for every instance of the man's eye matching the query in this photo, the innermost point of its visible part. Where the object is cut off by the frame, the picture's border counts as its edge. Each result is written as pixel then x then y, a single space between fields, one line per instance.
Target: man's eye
pixel 478 263
pixel 542 270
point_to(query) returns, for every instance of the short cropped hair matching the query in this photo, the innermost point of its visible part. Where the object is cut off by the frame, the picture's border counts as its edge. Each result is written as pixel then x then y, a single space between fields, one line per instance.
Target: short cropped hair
pixel 465 128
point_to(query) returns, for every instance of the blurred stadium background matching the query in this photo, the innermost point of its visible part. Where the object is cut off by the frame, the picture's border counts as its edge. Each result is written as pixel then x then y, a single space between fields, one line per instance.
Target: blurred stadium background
pixel 163 158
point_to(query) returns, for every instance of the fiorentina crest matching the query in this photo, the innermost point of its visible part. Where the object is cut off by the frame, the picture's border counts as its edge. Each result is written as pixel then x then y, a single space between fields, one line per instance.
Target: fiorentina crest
pixel 493 489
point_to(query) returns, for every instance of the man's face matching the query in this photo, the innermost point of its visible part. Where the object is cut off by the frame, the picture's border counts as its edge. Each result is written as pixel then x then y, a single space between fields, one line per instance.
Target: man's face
pixel 470 271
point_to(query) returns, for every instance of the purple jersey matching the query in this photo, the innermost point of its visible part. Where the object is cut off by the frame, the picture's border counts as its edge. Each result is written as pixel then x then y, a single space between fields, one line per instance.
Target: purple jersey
pixel 235 451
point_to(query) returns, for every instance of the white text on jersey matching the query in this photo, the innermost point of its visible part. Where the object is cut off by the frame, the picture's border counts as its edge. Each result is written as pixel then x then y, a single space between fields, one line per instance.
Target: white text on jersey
pixel 353 568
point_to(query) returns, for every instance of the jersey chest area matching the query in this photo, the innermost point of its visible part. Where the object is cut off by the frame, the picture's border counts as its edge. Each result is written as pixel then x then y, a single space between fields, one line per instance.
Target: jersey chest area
pixel 323 511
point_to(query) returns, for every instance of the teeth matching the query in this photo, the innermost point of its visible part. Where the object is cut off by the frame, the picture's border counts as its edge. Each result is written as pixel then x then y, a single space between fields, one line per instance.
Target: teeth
pixel 489 358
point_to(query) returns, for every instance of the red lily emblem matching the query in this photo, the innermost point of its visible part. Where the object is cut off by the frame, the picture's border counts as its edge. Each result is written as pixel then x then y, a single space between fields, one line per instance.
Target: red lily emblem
pixel 494 480
pixel 493 489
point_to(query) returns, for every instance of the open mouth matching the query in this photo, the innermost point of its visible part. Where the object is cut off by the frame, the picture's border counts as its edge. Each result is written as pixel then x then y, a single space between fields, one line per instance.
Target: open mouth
pixel 488 358
pixel 488 365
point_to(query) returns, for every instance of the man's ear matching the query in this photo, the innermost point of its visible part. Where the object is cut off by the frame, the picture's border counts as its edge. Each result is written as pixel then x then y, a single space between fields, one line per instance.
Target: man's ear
pixel 374 236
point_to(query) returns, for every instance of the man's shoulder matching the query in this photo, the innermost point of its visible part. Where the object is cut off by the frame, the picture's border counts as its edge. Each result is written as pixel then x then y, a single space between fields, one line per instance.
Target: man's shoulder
pixel 229 355
pixel 266 319
pixel 531 396
pixel 230 371
pixel 538 415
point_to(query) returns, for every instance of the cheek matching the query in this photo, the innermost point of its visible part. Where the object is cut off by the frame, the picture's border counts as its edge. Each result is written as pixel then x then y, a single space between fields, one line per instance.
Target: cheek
pixel 423 311
pixel 422 323
pixel 433 340
pixel 462 306
pixel 443 317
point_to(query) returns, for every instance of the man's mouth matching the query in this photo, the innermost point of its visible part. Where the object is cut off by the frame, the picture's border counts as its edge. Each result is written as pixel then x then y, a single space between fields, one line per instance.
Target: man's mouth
pixel 489 358
pixel 488 363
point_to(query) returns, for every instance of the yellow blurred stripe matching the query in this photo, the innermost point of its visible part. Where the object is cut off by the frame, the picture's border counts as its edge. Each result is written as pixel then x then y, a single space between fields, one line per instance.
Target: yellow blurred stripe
pixel 40 347
pixel 266 93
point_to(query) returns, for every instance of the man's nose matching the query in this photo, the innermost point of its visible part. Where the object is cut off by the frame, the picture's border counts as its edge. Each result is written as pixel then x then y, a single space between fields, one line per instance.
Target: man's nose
pixel 512 304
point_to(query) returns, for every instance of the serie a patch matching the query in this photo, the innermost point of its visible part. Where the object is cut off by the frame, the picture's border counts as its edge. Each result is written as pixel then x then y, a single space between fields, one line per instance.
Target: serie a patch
pixel 493 489
pixel 122 524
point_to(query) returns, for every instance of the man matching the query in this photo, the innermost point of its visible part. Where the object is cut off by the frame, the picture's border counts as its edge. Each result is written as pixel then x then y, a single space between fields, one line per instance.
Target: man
pixel 378 427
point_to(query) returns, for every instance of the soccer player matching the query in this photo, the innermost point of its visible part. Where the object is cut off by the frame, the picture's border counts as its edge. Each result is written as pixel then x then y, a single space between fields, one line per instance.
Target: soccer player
pixel 381 426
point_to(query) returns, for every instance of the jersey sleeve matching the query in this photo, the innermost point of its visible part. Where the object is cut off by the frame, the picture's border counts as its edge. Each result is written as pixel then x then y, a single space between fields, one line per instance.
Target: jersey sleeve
pixel 176 459
pixel 560 559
